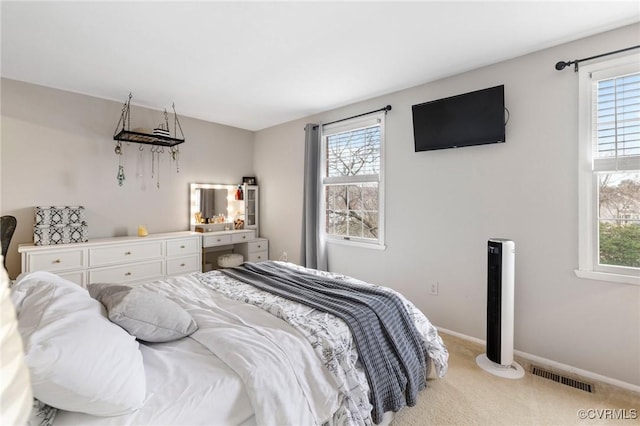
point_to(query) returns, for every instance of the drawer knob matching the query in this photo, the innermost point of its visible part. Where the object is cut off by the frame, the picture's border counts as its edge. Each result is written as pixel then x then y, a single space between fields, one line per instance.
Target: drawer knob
pixel 218 240
pixel 126 274
pixel 244 237
pixel 181 246
pixel 127 253
pixel 182 264
pixel 259 246
pixel 57 261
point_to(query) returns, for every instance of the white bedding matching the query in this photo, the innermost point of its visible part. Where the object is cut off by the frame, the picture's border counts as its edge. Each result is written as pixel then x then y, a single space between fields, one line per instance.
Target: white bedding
pixel 255 359
pixel 331 338
pixel 246 363
pixel 186 385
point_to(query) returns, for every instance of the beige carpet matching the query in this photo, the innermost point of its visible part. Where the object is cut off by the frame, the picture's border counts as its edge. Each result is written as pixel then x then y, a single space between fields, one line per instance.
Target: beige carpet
pixel 468 395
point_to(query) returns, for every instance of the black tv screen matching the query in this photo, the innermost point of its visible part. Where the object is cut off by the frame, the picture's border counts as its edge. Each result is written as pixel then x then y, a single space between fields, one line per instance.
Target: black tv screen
pixel 473 118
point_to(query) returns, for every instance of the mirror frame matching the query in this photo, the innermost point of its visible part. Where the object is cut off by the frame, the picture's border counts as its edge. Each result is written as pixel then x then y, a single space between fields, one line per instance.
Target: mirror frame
pixel 235 208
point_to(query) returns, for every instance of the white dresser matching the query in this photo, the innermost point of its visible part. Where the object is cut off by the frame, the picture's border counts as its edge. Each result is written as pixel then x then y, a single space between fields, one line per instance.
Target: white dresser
pixel 118 259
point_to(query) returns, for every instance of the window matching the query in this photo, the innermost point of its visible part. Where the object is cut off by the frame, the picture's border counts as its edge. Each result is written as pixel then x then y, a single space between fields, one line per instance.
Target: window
pixel 352 182
pixel 609 220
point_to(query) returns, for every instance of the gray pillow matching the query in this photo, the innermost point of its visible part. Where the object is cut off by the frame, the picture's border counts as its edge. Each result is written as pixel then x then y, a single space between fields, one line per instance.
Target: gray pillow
pixel 146 315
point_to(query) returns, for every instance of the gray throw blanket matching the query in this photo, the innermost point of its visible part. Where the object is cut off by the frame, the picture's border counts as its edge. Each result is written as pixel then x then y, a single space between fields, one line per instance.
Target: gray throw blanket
pixel 389 346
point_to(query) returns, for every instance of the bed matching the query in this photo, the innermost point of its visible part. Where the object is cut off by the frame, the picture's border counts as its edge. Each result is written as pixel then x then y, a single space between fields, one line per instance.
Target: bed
pixel 225 347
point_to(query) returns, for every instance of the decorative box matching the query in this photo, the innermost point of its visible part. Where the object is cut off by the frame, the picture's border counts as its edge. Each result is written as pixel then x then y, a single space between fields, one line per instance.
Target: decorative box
pixel 56 215
pixel 59 225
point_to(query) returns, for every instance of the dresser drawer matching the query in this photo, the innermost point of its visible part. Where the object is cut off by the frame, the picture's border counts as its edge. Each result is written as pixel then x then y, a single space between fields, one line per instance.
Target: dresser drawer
pixel 258 256
pixel 56 261
pixel 261 244
pixel 242 237
pixel 182 247
pixel 183 265
pixel 126 273
pixel 216 240
pixel 124 253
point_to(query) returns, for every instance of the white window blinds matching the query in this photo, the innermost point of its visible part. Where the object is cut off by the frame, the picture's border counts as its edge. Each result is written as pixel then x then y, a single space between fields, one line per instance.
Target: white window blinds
pixel 617 118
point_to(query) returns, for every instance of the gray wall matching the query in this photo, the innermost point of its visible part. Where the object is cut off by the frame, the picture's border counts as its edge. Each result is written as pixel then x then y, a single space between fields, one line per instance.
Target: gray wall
pixel 58 149
pixel 442 206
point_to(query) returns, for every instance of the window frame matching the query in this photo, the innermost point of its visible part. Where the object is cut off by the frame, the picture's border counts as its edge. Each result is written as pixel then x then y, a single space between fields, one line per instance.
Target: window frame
pixel 588 223
pixel 369 120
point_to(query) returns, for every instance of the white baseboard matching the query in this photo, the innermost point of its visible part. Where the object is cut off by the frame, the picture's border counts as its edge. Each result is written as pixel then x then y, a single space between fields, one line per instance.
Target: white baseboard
pixel 557 365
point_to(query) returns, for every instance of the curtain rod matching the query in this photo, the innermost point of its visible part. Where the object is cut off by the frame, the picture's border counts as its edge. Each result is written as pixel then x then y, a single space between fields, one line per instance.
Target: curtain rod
pixel 562 64
pixel 385 109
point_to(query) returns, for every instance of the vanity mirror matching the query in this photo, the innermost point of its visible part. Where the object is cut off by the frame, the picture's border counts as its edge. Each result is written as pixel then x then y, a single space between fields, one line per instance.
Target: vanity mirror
pixel 214 206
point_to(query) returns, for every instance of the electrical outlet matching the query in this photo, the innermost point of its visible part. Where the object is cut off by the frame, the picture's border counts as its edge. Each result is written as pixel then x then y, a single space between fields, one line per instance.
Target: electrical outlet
pixel 434 289
pixel 284 256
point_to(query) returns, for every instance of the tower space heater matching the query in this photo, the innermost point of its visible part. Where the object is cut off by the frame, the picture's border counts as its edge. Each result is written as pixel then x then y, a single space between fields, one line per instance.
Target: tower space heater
pixel 498 360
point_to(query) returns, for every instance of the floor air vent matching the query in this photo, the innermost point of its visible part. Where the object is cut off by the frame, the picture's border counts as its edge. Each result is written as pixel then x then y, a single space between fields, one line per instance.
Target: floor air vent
pixel 537 371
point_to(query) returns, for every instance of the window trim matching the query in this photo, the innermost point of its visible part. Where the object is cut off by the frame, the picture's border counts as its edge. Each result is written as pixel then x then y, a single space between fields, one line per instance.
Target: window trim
pixel 588 246
pixel 377 118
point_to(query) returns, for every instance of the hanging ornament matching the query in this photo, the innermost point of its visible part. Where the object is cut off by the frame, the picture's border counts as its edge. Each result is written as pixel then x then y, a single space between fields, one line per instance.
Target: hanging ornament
pixel 120 176
pixel 158 151
pixel 175 156
pixel 153 160
pixel 140 163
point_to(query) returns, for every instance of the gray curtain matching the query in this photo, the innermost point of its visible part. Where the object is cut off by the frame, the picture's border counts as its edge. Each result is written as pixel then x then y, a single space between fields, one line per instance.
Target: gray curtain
pixel 314 251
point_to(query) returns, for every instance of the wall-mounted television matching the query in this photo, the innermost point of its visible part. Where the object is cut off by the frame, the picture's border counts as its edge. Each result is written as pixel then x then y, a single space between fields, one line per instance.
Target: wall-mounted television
pixel 474 118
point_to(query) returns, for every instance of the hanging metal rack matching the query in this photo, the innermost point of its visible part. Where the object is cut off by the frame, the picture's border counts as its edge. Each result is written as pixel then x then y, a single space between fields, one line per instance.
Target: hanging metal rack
pixel 127 135
pixel 160 138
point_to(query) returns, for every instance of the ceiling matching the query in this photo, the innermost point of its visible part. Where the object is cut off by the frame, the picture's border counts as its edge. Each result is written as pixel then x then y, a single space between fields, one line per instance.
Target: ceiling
pixel 257 64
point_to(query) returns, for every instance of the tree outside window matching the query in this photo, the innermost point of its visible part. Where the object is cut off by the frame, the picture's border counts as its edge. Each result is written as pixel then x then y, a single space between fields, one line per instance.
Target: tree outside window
pixel 619 219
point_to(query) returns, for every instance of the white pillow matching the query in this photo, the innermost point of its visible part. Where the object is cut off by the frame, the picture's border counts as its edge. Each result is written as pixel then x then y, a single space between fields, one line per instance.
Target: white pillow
pixel 78 359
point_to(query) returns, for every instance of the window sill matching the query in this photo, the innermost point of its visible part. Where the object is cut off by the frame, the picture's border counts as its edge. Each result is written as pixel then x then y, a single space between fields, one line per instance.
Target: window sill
pixel 352 243
pixel 606 276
